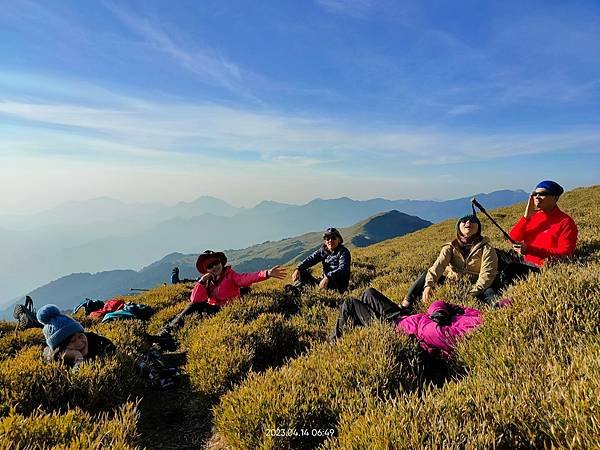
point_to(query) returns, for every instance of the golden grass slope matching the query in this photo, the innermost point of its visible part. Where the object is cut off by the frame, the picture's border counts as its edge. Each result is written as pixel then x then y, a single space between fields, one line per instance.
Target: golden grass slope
pixel 528 378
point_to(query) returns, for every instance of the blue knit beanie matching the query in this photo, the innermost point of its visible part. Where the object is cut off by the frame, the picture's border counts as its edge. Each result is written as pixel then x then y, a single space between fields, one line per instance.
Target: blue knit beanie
pixel 57 326
pixel 551 186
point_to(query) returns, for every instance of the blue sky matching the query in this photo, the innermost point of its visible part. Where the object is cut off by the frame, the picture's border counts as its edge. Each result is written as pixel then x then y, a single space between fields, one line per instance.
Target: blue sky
pixel 288 100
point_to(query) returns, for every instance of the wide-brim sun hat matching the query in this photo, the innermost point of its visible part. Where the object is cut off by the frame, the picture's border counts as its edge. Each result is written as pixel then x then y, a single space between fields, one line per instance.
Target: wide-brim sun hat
pixel 208 256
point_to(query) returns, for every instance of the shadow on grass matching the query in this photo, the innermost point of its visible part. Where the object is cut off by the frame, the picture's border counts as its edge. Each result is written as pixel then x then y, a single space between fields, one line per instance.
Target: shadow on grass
pixel 587 251
pixel 174 419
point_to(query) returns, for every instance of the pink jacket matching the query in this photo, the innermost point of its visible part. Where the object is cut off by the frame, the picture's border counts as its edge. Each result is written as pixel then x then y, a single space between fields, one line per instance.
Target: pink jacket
pixel 227 288
pixel 435 338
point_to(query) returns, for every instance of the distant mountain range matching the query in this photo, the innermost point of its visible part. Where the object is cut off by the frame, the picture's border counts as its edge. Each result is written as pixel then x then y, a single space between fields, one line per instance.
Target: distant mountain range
pixel 68 291
pixel 104 234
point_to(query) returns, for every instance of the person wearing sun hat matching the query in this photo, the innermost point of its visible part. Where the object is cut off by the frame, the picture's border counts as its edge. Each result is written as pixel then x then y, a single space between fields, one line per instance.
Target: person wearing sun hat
pixel 218 286
pixel 468 254
pixel 66 339
pixel 335 259
pixel 544 232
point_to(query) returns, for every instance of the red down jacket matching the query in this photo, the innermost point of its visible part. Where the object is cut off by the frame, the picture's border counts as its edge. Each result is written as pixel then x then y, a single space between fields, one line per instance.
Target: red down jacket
pixel 109 306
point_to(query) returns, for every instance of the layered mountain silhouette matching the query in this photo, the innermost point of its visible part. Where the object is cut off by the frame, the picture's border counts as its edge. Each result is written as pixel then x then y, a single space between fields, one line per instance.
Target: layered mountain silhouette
pixel 104 234
pixel 68 291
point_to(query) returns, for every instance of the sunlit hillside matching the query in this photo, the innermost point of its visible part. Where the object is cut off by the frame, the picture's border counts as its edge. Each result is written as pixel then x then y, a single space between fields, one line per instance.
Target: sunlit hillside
pixel 261 375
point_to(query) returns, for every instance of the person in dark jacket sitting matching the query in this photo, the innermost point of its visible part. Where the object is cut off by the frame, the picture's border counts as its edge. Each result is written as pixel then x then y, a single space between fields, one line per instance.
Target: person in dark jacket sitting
pixel 335 258
pixel 67 341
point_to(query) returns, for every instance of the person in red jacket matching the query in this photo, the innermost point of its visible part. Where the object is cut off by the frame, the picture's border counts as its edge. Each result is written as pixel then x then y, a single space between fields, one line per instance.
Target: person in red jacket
pixel 218 286
pixel 544 233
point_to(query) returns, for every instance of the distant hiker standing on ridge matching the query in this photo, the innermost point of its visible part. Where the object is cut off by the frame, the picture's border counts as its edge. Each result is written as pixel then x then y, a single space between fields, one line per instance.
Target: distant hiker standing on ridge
pixel 544 232
pixel 335 258
pixel 175 277
pixel 218 286
pixel 470 254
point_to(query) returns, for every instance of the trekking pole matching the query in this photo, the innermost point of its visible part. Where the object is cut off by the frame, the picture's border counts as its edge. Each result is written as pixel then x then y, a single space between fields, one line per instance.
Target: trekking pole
pixel 482 209
pixel 142 290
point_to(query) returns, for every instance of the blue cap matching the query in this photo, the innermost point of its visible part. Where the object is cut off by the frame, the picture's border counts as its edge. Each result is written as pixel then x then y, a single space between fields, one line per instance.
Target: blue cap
pixel 57 326
pixel 551 186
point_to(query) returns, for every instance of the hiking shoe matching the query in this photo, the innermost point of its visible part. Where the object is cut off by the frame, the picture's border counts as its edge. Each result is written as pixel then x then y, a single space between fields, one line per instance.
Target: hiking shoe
pixel 164 342
pixel 164 332
pixel 289 300
pixel 291 291
pixel 26 318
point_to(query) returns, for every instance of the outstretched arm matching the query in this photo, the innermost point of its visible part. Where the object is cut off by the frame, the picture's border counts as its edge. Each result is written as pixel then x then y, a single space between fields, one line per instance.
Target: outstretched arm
pixel 277 272
pixel 315 258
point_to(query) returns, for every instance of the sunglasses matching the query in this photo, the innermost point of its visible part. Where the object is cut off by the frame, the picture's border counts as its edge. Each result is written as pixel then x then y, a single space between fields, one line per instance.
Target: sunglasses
pixel 468 219
pixel 330 237
pixel 213 264
pixel 542 194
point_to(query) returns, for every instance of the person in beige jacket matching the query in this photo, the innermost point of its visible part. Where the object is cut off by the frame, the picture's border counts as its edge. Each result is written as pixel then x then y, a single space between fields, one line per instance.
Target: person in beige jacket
pixel 469 254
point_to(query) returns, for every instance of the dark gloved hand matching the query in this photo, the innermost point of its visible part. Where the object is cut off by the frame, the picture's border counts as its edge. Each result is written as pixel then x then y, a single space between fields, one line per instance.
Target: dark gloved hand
pixel 441 317
pixel 455 310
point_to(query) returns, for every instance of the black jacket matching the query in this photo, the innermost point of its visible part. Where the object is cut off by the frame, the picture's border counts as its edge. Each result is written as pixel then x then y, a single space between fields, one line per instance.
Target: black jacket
pixel 336 265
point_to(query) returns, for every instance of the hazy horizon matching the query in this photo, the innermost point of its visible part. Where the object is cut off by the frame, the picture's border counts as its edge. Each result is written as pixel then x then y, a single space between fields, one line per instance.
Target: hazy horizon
pixel 247 205
pixel 290 101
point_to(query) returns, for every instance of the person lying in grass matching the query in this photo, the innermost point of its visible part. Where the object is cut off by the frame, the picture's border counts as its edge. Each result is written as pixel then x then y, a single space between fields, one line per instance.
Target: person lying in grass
pixel 468 254
pixel 218 286
pixel 437 331
pixel 67 341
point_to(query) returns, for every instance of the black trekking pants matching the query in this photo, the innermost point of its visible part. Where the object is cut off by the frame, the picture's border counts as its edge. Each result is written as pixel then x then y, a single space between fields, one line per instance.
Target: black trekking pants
pixel 415 292
pixel 373 305
pixel 191 308
pixel 307 279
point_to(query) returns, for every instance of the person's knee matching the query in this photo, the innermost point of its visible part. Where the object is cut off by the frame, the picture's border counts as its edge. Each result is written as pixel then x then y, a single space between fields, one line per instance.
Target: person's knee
pixel 303 272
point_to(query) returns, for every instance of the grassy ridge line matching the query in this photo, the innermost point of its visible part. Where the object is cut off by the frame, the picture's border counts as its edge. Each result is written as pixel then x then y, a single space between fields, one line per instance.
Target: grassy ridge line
pixel 397 262
pixel 390 266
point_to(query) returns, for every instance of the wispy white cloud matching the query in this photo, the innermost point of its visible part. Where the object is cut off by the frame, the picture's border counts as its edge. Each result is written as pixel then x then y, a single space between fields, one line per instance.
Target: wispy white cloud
pixel 206 129
pixel 208 64
pixel 354 8
pixel 460 110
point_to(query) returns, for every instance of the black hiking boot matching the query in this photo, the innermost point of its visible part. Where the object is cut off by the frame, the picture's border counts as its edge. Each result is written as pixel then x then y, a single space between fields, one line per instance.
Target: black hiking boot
pixel 290 300
pixel 171 326
pixel 165 342
pixel 25 315
pixel 291 291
